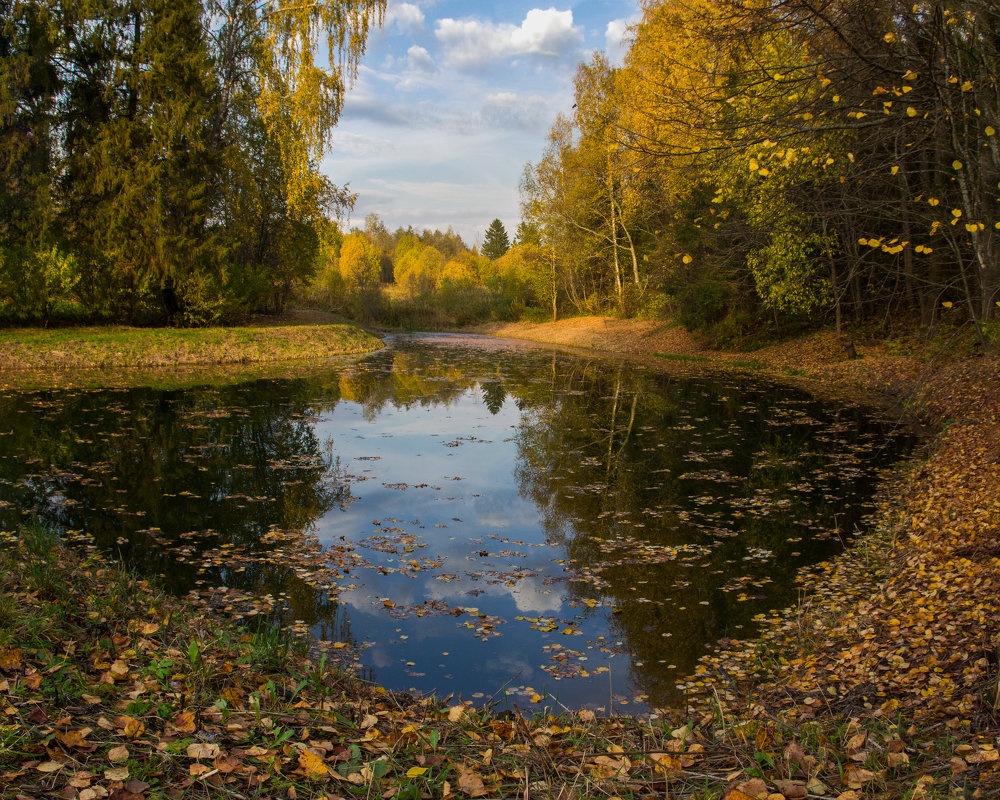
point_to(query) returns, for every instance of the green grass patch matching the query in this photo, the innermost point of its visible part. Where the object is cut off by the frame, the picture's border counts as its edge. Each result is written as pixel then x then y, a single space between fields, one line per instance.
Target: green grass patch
pixel 682 357
pixel 120 347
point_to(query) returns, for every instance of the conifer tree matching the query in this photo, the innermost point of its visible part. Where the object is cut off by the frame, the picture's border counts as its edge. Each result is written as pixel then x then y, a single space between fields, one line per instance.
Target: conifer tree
pixel 496 243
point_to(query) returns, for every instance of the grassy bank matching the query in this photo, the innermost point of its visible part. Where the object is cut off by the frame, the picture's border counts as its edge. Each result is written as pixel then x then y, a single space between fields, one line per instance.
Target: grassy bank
pixel 129 348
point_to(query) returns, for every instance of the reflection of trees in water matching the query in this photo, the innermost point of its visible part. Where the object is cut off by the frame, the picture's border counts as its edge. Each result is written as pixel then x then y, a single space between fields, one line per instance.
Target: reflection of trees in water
pixel 666 491
pixel 147 474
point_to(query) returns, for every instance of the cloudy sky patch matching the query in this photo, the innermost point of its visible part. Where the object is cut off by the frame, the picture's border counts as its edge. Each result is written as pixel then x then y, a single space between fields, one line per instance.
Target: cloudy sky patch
pixel 453 98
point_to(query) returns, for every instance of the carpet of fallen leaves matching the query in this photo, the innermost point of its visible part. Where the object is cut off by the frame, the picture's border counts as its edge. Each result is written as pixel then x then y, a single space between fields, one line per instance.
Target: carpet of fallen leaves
pixel 883 682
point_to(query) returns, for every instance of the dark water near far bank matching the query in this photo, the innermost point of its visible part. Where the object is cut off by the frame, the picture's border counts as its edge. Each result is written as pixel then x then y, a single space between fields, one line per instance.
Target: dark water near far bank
pixel 463 519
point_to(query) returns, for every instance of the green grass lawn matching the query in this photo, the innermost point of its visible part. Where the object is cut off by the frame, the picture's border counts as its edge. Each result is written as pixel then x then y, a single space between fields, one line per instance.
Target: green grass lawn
pixel 116 347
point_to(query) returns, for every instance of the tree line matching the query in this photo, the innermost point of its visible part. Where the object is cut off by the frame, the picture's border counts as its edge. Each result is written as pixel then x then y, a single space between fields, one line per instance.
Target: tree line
pixel 430 278
pixel 159 159
pixel 760 164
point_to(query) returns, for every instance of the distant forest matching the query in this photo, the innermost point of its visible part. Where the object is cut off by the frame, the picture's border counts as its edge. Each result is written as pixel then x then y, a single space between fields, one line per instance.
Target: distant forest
pixel 749 168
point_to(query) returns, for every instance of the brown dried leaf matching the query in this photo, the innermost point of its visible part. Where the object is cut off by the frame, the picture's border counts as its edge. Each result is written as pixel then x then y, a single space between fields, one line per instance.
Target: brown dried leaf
pixel 754 787
pixel 471 783
pixel 203 750
pixel 794 753
pixel 119 753
pixel 184 722
pixel 225 764
pixel 792 790
pixel 116 774
pixel 856 777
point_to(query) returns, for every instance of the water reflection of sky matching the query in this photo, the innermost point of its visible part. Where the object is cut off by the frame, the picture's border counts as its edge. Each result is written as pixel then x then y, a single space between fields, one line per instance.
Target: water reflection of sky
pixel 469 505
pixel 507 521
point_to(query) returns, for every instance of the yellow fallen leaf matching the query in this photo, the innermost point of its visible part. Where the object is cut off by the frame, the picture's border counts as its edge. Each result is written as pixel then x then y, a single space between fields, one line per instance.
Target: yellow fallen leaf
pixel 415 772
pixel 118 670
pixel 10 660
pixel 312 765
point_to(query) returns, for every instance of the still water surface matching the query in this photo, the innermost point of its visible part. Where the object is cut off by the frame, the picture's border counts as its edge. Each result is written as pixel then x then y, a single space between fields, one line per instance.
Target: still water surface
pixel 460 516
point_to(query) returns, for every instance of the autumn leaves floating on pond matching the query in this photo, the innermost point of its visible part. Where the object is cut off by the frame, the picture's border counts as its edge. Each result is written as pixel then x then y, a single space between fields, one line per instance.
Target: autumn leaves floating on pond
pixel 594 522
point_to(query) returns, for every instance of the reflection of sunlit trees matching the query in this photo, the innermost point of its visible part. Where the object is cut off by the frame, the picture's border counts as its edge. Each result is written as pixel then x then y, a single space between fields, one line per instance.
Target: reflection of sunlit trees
pixel 658 524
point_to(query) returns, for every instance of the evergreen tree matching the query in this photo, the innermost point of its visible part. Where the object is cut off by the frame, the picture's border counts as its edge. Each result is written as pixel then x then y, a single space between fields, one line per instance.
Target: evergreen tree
pixel 496 242
pixel 160 159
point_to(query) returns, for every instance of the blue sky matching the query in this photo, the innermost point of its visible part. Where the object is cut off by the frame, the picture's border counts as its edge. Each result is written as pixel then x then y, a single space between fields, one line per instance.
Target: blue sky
pixel 452 98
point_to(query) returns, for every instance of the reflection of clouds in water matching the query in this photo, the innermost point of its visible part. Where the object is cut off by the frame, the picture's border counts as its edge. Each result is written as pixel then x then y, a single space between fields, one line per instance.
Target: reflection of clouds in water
pixel 379 657
pixel 515 667
pixel 366 598
pixel 358 599
pixel 507 510
pixel 531 594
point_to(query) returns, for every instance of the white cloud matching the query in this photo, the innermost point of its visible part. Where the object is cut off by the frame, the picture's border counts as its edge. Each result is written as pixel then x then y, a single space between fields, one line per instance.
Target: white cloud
pixel 406 17
pixel 360 107
pixel 419 59
pixel 509 110
pixel 360 145
pixel 615 42
pixel 473 44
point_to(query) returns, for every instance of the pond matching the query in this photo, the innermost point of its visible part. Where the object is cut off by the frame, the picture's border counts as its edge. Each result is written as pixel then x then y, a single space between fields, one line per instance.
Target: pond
pixel 461 516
